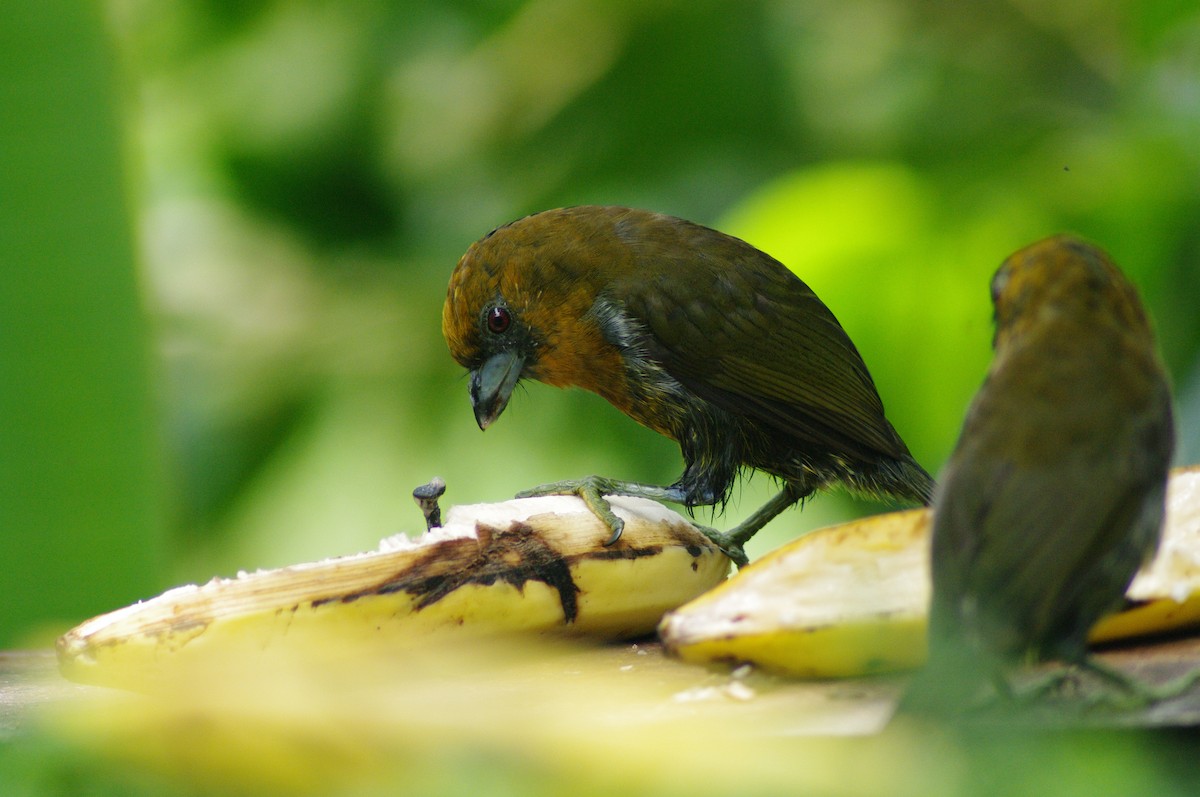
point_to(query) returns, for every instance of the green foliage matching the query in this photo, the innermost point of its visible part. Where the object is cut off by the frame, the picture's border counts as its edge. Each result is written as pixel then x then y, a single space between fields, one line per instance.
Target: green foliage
pixel 81 489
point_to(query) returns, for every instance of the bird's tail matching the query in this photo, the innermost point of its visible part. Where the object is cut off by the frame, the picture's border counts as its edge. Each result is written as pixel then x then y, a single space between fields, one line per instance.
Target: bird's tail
pixel 917 482
pixel 897 479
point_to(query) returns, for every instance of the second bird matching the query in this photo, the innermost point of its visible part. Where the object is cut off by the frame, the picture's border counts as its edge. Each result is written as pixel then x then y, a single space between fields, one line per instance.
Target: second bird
pixel 692 333
pixel 1054 495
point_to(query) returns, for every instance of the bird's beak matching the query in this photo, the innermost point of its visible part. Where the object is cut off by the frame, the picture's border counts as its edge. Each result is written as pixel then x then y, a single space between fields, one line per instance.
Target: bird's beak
pixel 492 383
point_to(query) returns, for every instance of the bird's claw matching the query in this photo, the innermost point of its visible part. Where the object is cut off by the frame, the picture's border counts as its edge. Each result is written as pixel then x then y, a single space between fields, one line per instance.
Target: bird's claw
pixel 592 490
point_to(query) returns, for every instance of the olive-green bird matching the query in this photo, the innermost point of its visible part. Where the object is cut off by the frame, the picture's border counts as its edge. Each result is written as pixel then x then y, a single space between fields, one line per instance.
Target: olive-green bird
pixel 690 332
pixel 1054 495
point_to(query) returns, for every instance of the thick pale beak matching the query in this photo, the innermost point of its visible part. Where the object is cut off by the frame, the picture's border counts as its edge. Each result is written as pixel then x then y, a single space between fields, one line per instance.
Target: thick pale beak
pixel 492 383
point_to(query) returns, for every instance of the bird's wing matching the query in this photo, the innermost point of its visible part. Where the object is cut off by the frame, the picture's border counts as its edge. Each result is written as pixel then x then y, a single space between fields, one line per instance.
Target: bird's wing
pixel 754 340
pixel 1029 536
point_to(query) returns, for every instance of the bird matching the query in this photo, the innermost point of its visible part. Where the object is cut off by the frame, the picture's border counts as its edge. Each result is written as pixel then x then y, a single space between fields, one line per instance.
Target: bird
pixel 1054 494
pixel 693 333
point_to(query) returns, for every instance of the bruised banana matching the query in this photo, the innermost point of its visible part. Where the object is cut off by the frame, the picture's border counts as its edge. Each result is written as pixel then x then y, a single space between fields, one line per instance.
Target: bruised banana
pixel 536 564
pixel 852 600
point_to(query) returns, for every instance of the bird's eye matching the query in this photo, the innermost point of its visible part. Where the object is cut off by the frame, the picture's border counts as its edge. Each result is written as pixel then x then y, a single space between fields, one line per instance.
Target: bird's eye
pixel 999 283
pixel 498 320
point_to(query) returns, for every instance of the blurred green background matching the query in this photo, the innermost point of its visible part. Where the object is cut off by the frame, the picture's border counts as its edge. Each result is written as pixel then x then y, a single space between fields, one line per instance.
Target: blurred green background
pixel 226 230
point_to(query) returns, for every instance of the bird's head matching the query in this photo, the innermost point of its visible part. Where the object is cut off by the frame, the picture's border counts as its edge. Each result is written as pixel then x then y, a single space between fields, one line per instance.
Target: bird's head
pixel 520 306
pixel 1063 280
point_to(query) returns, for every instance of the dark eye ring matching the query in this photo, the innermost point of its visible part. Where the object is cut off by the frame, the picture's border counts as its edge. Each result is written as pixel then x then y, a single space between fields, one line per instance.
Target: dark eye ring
pixel 498 320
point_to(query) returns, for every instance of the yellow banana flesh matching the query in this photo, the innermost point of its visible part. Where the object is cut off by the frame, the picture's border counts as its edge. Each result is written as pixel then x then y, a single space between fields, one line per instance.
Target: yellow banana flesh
pixel 535 565
pixel 852 599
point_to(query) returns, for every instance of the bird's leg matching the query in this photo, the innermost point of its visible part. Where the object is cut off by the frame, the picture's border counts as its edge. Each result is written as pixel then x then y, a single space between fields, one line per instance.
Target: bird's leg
pixel 592 490
pixel 1136 693
pixel 731 542
pixel 1139 692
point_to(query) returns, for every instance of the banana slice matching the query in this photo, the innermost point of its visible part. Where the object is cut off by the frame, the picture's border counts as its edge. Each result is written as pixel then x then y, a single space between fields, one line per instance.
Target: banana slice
pixel 1165 594
pixel 845 600
pixel 536 564
pixel 852 600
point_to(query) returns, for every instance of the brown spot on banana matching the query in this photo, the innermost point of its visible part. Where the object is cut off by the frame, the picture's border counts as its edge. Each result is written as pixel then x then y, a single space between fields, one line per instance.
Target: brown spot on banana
pixel 515 555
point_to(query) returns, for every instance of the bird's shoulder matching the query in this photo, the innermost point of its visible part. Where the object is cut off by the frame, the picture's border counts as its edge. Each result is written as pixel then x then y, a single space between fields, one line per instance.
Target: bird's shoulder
pixel 740 330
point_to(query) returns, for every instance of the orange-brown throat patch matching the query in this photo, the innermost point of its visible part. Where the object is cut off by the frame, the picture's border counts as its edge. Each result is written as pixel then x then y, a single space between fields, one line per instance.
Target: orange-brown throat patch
pixel 575 351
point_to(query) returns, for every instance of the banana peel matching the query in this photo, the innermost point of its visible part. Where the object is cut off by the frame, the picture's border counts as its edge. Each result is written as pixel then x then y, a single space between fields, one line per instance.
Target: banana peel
pixel 529 565
pixel 852 600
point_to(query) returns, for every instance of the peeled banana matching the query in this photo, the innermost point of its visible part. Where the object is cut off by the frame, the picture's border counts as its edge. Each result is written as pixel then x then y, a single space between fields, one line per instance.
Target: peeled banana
pixel 852 599
pixel 536 564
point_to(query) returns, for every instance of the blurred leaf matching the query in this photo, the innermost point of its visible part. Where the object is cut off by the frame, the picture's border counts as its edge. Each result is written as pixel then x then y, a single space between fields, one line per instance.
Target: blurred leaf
pixel 79 489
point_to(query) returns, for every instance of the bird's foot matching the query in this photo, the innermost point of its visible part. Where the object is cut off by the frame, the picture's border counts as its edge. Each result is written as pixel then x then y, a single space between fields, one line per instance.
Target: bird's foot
pixel 732 543
pixel 1135 693
pixel 1129 693
pixel 729 542
pixel 592 490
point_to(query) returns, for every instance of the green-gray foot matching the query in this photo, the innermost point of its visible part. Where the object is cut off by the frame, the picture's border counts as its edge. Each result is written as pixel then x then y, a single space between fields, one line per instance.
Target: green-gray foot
pixel 729 543
pixel 733 542
pixel 592 490
pixel 1127 692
